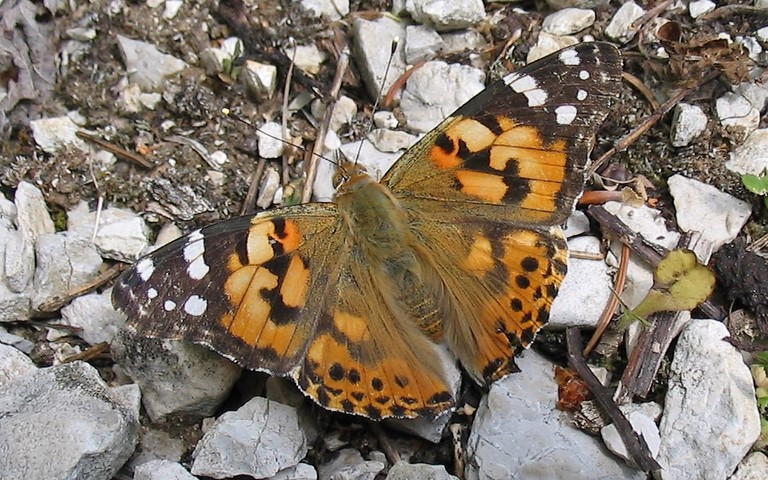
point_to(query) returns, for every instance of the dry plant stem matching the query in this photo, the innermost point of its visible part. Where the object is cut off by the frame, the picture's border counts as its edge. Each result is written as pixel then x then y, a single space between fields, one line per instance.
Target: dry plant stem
pixel 253 189
pixel 317 148
pixel 89 354
pixel 636 446
pixel 642 88
pixel 651 14
pixel 598 197
pixel 392 456
pixel 613 303
pixel 649 122
pixel 285 114
pixel 399 84
pixel 119 152
pixel 58 301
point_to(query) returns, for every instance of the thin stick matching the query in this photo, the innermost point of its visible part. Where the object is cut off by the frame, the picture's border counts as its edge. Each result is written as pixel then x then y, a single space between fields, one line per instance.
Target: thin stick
pixel 56 302
pixel 637 448
pixel 253 188
pixel 317 148
pixel 118 151
pixel 613 303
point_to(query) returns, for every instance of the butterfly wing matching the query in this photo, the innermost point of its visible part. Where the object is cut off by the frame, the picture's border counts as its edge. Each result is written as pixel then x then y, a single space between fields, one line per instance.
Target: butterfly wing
pixel 281 292
pixel 487 188
pixel 519 149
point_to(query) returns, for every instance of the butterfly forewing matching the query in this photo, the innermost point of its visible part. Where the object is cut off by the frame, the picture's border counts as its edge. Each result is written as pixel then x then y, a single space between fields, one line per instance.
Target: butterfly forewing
pixel 523 142
pixel 241 286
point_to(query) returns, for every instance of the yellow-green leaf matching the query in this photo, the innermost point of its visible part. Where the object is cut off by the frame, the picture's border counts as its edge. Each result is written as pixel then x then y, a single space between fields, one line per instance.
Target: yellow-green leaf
pixel 680 283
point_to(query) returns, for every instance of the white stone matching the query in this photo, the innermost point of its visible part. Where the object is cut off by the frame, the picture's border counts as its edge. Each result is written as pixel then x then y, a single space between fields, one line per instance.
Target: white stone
pixel 175 377
pixel 301 471
pixel 330 9
pixel 688 122
pixel 421 43
pixel 752 45
pixel 446 15
pixel 259 439
pixel 762 34
pixel 172 8
pixel 260 79
pixel 56 133
pixel 344 111
pixel 403 470
pixel 391 140
pixel 568 21
pixel 161 470
pixel 270 137
pixel 349 464
pixel 576 224
pixel 620 26
pixel 643 425
pixel 700 207
pixel 306 57
pixel 462 41
pixel 518 433
pixel 753 467
pixel 710 406
pixel 32 215
pixel 146 65
pixel 701 7
pixel 737 115
pixel 121 234
pixel 64 260
pixel 270 182
pixel 13 364
pixel 385 119
pixel 752 155
pixel 72 402
pixel 19 260
pixel 436 90
pixel 546 44
pixel 586 290
pixel 94 316
pixel 372 54
pixel 756 94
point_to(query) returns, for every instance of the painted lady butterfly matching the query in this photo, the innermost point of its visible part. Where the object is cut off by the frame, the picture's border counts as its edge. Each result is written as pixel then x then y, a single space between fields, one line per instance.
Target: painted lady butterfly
pixel 459 243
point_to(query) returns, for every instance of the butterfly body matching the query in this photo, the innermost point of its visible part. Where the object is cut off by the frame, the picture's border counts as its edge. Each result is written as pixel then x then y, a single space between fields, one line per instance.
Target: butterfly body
pixel 458 243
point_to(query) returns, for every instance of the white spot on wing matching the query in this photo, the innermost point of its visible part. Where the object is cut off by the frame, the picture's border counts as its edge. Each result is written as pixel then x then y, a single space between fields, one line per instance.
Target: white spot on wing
pixel 583 74
pixel 193 254
pixel 195 305
pixel 169 305
pixel 145 268
pixel 565 114
pixel 570 57
pixel 151 293
pixel 581 94
pixel 527 86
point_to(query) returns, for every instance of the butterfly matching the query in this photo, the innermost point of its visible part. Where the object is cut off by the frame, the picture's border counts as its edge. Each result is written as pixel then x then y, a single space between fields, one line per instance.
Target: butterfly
pixel 459 243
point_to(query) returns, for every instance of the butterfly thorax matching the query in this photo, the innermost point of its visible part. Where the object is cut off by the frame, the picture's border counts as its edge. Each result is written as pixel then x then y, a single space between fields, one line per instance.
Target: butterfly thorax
pixel 380 238
pixel 377 225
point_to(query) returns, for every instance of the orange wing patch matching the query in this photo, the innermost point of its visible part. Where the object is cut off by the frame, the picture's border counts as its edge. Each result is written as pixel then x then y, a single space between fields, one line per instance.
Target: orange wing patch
pixel 343 372
pixel 268 282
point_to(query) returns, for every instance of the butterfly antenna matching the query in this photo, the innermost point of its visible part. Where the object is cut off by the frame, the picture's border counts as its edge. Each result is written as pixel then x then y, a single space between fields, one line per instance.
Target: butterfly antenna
pixel 393 49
